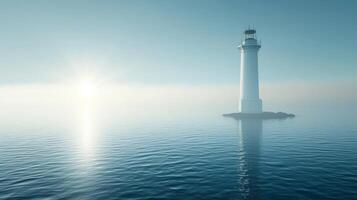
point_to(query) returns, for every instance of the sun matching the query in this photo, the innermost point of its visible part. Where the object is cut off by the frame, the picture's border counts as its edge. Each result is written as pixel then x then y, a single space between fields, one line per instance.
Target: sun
pixel 87 88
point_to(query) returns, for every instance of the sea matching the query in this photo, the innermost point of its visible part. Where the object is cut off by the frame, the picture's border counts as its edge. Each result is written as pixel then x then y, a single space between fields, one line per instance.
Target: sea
pixel 195 154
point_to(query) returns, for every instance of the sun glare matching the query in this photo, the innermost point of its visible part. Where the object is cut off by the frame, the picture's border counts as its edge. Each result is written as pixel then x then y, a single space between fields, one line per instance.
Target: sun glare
pixel 87 88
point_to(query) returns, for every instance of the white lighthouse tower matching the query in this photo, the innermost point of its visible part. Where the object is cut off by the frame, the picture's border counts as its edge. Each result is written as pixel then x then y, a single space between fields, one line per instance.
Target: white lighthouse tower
pixel 249 81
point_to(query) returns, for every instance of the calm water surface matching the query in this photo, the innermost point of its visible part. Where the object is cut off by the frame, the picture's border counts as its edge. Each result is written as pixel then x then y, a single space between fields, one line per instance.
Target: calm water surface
pixel 210 157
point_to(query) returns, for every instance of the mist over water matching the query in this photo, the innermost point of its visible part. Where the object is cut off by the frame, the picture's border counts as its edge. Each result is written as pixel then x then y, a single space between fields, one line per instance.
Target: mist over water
pixel 115 141
pixel 59 104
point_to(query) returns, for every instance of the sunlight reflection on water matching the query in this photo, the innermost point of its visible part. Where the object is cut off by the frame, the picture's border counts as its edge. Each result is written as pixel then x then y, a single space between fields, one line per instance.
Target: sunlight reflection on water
pixel 87 129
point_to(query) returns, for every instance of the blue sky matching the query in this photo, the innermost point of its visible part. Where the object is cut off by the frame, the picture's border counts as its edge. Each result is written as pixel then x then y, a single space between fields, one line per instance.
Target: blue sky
pixel 176 42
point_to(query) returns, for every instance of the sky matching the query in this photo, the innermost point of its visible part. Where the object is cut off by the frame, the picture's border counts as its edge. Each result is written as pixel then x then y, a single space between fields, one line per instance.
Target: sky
pixel 175 42
pixel 156 59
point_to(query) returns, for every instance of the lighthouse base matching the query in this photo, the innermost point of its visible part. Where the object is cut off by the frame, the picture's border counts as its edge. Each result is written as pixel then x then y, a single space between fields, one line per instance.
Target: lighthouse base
pixel 250 106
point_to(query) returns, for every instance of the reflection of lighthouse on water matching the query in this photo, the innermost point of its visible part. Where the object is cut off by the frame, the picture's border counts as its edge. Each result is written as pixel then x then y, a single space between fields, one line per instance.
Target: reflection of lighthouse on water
pixel 250 131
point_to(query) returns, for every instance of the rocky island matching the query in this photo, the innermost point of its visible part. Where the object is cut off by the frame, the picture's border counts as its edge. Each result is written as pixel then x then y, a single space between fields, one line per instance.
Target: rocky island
pixel 262 115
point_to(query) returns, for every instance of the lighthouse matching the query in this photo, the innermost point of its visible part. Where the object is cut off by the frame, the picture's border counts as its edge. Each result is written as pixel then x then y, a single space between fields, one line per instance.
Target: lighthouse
pixel 250 105
pixel 249 101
